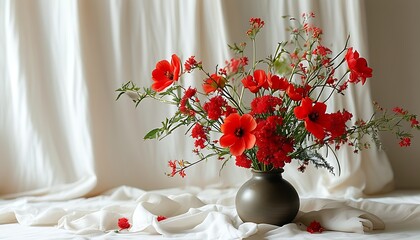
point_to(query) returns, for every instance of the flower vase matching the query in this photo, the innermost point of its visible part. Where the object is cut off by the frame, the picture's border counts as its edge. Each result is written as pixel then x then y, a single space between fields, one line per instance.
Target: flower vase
pixel 267 198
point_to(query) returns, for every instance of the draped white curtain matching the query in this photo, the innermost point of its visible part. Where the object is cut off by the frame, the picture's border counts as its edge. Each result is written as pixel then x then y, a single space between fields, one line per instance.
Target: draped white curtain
pixel 63 135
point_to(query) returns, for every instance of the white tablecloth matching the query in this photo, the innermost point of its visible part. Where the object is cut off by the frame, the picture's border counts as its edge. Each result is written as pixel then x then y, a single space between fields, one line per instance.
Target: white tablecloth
pixel 196 213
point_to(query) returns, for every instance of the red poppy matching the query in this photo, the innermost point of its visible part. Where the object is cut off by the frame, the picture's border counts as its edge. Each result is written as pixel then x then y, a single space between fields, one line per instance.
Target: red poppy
pixel 358 66
pixel 255 83
pixel 277 83
pixel 237 133
pixel 212 83
pixel 166 73
pixel 315 118
pixel 296 94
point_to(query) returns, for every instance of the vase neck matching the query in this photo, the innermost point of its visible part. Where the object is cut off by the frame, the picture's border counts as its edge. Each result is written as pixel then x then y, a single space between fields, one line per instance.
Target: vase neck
pixel 272 173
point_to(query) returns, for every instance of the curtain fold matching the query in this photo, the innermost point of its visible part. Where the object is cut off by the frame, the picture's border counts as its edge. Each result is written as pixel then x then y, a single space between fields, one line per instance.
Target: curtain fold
pixel 63 135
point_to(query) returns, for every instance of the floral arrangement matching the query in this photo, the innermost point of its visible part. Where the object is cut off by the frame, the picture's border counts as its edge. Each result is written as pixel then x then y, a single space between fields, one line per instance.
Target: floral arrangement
pixel 267 112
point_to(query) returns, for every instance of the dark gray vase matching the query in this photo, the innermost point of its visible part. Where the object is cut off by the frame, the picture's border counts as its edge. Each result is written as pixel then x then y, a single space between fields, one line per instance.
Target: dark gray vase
pixel 267 198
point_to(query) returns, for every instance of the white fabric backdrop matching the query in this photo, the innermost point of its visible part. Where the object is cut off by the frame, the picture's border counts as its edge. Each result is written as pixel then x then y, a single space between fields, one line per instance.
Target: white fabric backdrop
pixel 63 134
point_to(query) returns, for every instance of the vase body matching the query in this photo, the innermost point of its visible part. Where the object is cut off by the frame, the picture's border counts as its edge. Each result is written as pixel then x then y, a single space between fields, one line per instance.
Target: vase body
pixel 267 198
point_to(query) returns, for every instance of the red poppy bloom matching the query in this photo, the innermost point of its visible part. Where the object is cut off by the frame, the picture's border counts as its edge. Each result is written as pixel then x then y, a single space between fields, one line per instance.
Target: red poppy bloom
pixel 255 83
pixel 277 83
pixel 237 133
pixel 315 118
pixel 296 94
pixel 213 83
pixel 166 73
pixel 358 66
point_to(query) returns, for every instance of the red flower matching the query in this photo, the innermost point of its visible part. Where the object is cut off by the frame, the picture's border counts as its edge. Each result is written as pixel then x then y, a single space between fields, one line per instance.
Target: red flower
pixel 315 118
pixel 123 223
pixel 296 94
pixel 160 218
pixel 315 227
pixel 243 161
pixel 399 110
pixel 174 167
pixel 337 126
pixel 214 108
pixel 213 83
pixel 273 148
pixel 200 135
pixel 405 142
pixel 182 173
pixel 237 133
pixel 229 110
pixel 235 65
pixel 255 83
pixel 322 51
pixel 183 107
pixel 166 73
pixel 358 66
pixel 191 64
pixel 265 104
pixel 255 25
pixel 277 83
pixel 414 122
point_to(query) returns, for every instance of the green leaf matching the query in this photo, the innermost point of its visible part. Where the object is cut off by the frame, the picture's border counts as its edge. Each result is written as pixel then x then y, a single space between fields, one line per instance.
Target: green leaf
pixel 153 134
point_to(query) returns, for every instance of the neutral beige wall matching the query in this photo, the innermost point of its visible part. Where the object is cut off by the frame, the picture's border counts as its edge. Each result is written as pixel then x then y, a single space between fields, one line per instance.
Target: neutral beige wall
pixel 394 54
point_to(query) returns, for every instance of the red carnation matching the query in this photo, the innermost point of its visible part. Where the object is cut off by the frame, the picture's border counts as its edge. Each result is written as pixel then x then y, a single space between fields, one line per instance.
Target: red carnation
pixel 265 104
pixel 405 142
pixel 337 126
pixel 243 161
pixel 123 223
pixel 200 135
pixel 315 227
pixel 214 108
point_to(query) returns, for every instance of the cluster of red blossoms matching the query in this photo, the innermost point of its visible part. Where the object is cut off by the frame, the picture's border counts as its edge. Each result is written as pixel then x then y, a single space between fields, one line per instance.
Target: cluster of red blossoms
pixel 286 118
pixel 255 25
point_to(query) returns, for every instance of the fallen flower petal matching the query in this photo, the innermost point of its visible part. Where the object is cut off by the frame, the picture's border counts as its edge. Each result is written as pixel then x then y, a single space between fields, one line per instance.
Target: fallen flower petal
pixel 315 227
pixel 123 223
